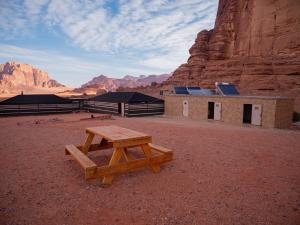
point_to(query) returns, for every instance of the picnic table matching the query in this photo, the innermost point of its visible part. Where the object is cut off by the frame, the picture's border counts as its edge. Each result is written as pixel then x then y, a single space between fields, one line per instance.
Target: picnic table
pixel 120 140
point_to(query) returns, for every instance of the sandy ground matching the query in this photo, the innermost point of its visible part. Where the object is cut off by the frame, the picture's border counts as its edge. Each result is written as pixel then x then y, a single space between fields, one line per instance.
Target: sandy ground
pixel 220 175
pixel 34 90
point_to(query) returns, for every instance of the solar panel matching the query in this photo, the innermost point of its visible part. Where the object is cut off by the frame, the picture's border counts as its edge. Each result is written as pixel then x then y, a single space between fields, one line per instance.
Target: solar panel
pixel 202 92
pixel 181 90
pixel 228 89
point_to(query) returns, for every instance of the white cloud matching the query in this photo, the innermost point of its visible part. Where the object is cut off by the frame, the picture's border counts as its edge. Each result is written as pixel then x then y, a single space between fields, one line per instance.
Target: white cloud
pixel 162 62
pixel 34 7
pixel 165 28
pixel 12 21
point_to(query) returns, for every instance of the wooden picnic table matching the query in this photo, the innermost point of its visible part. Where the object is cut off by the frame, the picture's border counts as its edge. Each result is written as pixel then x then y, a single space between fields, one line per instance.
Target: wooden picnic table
pixel 120 140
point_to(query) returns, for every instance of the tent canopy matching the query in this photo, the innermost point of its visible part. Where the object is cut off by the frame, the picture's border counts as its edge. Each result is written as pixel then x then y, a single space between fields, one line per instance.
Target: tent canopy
pixel 35 99
pixel 126 97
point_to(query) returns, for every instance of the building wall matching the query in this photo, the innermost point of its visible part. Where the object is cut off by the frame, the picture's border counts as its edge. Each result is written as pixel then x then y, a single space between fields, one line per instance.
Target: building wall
pixel 275 112
pixel 284 113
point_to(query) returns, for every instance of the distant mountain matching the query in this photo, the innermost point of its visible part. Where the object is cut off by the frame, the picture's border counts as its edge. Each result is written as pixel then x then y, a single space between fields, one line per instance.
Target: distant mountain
pixel 112 84
pixel 16 77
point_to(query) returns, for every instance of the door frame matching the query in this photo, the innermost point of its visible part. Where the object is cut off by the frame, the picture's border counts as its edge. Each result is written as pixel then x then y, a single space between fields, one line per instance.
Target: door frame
pixel 219 113
pixel 253 115
pixel 185 105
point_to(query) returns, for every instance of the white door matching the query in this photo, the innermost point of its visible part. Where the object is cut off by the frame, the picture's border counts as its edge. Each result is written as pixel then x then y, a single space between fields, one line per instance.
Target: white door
pixel 185 108
pixel 123 109
pixel 256 115
pixel 217 111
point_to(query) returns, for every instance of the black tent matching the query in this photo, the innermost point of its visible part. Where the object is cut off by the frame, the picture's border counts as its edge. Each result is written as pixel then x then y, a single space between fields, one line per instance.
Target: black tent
pixel 126 97
pixel 126 104
pixel 35 99
pixel 36 104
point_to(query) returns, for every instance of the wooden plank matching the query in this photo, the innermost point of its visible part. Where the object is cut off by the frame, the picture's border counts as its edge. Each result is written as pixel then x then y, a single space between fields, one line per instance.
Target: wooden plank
pixel 81 158
pixel 129 166
pixel 116 133
pixel 147 151
pixel 131 142
pixel 88 142
pixel 121 137
pixel 96 147
pixel 117 154
pixel 160 148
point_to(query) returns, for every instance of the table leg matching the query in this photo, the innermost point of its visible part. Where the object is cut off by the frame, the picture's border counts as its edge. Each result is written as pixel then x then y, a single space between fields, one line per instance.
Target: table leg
pixel 127 155
pixel 147 151
pixel 117 154
pixel 88 142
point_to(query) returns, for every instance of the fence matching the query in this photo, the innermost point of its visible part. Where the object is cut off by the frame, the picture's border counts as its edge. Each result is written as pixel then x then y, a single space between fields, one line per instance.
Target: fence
pixel 144 109
pixel 101 107
pixel 27 109
pixel 130 110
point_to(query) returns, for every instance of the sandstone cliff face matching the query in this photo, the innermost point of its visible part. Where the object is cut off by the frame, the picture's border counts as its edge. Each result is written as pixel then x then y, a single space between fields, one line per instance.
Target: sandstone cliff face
pixel 16 76
pixel 255 44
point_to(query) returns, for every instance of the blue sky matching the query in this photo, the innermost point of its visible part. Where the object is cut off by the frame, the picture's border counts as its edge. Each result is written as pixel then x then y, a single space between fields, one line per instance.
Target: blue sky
pixel 75 40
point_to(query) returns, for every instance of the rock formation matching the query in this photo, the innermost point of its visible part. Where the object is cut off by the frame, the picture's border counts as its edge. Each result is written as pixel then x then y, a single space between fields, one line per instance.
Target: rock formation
pixel 112 84
pixel 255 44
pixel 14 77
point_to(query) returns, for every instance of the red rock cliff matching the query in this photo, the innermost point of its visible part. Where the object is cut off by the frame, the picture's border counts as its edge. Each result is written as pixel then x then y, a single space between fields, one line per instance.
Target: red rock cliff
pixel 255 44
pixel 17 76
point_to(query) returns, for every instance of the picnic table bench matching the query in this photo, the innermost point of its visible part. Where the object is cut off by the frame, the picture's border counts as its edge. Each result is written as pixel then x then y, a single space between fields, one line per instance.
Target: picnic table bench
pixel 120 140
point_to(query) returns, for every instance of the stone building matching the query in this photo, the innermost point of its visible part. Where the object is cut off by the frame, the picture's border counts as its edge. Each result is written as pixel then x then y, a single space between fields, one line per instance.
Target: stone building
pixel 266 112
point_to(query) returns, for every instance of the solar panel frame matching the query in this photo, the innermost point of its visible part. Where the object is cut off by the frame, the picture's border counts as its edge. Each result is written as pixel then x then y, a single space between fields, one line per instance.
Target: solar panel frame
pixel 202 92
pixel 228 89
pixel 181 91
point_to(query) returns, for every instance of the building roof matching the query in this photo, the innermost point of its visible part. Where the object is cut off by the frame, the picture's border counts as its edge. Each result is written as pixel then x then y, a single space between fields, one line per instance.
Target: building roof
pixel 235 96
pixel 35 99
pixel 126 97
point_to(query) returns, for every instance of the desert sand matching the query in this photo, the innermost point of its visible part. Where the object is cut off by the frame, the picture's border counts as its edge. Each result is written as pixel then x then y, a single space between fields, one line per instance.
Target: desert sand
pixel 220 175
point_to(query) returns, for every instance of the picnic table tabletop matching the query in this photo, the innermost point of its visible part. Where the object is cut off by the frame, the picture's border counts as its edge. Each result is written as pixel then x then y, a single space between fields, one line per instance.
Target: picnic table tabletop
pixel 116 133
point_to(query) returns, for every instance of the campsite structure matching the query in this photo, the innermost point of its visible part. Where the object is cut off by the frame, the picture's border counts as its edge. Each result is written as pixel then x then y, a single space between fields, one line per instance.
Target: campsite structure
pixel 227 105
pixel 224 104
pixel 36 104
pixel 117 103
pixel 126 104
pixel 267 112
